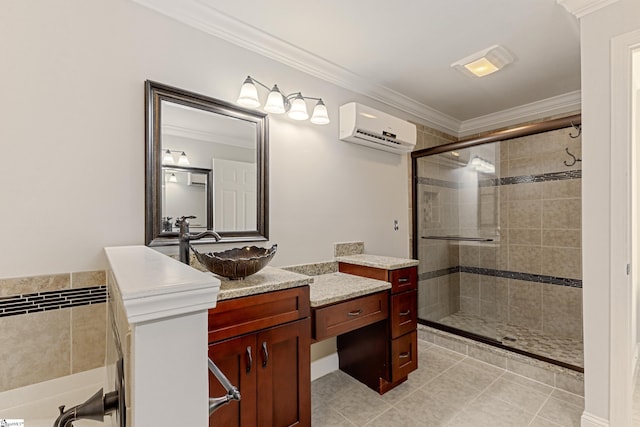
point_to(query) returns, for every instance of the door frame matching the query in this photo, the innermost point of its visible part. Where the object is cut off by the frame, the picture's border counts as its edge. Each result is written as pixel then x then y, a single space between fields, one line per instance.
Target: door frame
pixel 622 347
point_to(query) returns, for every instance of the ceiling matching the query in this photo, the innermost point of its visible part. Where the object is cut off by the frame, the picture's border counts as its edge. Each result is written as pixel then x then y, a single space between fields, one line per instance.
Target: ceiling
pixel 400 52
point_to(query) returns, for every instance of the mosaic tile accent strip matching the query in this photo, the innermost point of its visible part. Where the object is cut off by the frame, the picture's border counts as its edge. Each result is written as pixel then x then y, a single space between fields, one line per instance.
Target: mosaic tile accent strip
pixel 528 277
pixel 51 300
pixel 439 182
pixel 438 273
pixel 509 180
pixel 524 179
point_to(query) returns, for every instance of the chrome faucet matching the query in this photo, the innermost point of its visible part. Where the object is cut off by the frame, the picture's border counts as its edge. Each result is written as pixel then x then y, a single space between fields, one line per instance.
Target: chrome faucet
pixel 184 237
pixel 95 408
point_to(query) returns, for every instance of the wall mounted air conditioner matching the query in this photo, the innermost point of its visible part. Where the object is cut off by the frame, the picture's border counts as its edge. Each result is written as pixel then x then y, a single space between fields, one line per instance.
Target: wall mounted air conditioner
pixel 372 128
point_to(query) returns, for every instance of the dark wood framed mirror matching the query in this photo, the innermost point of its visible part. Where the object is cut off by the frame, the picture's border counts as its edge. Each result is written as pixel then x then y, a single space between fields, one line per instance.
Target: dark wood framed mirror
pixel 207 158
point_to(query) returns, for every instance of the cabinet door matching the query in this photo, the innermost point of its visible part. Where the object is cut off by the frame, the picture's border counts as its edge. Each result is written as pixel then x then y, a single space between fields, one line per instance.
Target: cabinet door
pixel 236 358
pixel 284 375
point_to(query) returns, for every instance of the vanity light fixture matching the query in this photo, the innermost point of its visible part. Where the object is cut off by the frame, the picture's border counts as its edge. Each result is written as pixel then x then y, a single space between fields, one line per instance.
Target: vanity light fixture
pixel 484 62
pixel 173 178
pixel 481 165
pixel 277 103
pixel 167 158
pixel 183 160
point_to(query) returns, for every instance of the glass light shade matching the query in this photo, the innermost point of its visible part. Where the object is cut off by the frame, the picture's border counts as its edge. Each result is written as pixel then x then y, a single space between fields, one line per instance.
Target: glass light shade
pixel 275 101
pixel 320 115
pixel 484 62
pixel 298 109
pixel 183 160
pixel 482 67
pixel 173 178
pixel 249 94
pixel 167 157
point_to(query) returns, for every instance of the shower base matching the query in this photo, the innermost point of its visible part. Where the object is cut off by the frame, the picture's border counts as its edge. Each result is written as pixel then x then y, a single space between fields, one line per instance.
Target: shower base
pixel 566 350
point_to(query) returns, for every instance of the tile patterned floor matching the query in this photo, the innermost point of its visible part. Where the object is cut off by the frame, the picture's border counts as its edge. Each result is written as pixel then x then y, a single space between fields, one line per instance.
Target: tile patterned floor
pixel 448 389
pixel 562 349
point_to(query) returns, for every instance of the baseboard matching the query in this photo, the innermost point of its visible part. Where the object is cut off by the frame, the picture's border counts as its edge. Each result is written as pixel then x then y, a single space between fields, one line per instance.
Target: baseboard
pixel 590 420
pixel 324 366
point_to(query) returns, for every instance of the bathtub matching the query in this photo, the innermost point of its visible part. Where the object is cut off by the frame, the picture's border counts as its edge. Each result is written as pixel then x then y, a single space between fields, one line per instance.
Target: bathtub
pixel 37 404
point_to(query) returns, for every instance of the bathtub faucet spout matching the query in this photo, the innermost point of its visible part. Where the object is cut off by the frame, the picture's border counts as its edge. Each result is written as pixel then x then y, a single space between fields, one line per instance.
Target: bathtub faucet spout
pixel 95 408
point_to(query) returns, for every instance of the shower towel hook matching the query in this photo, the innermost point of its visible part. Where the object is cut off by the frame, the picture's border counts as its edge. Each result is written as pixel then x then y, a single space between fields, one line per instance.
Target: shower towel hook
pixel 575 159
pixel 577 128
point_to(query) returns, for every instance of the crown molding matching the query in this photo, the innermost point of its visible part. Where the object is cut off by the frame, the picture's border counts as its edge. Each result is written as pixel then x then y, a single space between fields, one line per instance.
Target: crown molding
pixel 581 8
pixel 200 135
pixel 200 15
pixel 569 102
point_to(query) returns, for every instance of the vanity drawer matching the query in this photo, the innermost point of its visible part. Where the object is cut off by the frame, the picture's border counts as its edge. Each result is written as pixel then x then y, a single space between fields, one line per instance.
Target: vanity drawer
pixel 346 316
pixel 404 318
pixel 248 314
pixel 403 279
pixel 404 355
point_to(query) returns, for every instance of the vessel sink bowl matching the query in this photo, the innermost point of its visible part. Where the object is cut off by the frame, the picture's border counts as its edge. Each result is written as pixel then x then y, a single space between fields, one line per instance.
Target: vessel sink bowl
pixel 236 263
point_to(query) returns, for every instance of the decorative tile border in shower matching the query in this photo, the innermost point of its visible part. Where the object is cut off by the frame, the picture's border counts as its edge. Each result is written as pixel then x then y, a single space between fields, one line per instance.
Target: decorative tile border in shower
pixel 51 300
pixel 525 179
pixel 528 277
pixel 439 182
pixel 509 180
pixel 438 273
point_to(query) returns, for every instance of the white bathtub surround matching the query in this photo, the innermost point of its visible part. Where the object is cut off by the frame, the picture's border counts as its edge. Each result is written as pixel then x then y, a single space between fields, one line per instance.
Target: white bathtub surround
pixel 37 404
pixel 166 304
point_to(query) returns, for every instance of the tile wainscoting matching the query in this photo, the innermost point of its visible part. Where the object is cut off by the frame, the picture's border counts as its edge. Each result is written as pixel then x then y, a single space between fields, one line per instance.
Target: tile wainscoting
pixel 52 326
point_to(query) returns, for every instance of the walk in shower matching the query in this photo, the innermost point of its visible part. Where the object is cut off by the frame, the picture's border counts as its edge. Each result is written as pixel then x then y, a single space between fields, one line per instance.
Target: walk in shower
pixel 497 230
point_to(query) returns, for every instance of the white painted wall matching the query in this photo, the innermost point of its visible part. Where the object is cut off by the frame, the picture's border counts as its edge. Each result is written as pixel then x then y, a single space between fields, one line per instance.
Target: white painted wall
pixel 72 139
pixel 635 124
pixel 597 30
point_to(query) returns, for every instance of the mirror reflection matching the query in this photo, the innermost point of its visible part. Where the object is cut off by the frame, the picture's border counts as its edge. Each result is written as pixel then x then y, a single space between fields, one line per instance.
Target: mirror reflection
pixel 186 189
pixel 207 159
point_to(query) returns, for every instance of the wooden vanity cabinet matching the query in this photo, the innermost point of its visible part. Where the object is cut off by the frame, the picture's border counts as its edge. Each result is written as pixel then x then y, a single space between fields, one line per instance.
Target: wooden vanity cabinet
pixel 264 350
pixel 391 347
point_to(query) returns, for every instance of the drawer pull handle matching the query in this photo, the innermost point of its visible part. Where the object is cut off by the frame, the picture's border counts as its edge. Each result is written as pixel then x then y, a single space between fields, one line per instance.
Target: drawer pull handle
pixel 354 313
pixel 249 359
pixel 404 355
pixel 405 313
pixel 403 280
pixel 265 354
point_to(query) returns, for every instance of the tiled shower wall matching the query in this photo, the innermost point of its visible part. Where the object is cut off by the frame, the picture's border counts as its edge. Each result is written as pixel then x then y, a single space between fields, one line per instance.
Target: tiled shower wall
pixel 531 274
pixel 52 326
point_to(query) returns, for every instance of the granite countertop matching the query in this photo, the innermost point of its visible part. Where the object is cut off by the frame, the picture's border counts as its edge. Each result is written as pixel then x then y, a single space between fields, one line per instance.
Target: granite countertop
pixel 385 262
pixel 336 287
pixel 266 280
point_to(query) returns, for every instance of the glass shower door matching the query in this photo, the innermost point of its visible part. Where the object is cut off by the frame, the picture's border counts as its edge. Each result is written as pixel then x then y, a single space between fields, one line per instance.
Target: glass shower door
pixel 458 241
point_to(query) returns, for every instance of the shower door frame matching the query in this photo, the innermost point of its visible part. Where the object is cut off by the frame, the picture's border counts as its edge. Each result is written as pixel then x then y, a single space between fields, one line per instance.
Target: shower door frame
pixel 497 136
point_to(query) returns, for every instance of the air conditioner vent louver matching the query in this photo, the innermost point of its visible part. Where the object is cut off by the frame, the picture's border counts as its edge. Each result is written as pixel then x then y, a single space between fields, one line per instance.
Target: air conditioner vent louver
pixel 373 135
pixel 372 128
